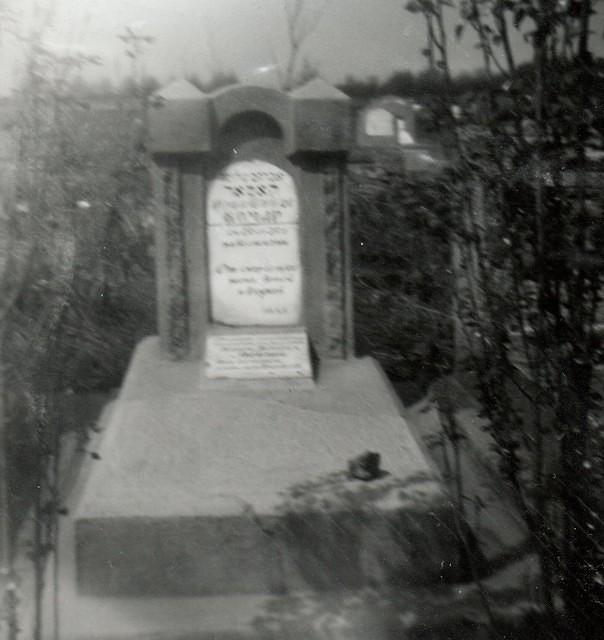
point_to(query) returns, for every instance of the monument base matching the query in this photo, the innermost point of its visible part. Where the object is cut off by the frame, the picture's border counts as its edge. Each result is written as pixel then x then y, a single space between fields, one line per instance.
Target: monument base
pixel 257 354
pixel 241 492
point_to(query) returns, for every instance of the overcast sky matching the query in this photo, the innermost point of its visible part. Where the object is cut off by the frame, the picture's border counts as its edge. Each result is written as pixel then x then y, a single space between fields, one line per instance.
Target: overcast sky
pixel 353 37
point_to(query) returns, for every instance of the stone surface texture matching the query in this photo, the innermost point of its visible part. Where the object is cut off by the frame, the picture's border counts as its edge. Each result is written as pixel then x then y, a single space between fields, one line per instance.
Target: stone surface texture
pixel 204 490
pixel 378 614
pixel 171 257
pixel 180 119
pixel 306 278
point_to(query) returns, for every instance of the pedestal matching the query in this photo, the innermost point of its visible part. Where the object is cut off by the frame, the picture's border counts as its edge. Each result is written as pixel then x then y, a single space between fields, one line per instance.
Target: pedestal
pixel 236 493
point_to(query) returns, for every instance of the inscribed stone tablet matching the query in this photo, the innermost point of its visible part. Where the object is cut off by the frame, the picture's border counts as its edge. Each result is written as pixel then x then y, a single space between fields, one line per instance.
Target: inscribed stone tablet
pixel 254 246
pixel 258 355
pixel 379 122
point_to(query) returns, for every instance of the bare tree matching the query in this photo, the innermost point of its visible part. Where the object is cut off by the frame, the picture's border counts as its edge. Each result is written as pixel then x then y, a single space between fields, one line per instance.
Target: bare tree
pixel 136 45
pixel 302 20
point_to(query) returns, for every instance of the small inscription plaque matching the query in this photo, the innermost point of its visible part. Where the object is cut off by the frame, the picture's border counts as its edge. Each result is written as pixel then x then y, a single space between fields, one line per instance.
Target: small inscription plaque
pixel 258 355
pixel 253 242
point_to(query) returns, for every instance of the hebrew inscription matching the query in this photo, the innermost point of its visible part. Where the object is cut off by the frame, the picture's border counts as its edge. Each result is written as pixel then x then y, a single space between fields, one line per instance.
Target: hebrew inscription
pixel 254 246
pixel 264 355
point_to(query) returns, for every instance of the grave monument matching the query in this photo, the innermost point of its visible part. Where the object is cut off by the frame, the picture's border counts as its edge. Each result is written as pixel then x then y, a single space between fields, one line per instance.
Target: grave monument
pixel 222 487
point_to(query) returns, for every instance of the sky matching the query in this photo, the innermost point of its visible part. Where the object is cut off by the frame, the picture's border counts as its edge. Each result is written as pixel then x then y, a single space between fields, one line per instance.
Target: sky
pixel 359 38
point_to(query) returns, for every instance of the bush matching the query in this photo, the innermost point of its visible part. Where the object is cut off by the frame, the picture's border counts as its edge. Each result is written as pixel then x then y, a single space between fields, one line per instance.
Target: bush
pixel 402 275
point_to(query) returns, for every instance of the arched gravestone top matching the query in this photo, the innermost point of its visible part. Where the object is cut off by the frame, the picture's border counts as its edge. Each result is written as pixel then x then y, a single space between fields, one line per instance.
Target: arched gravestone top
pixel 379 122
pixel 230 102
pixel 314 117
pixel 179 120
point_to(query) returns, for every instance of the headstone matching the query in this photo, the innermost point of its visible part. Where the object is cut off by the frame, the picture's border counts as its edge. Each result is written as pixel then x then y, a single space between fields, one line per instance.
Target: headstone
pixel 254 246
pixel 387 121
pixel 222 473
pixel 379 122
pixel 252 227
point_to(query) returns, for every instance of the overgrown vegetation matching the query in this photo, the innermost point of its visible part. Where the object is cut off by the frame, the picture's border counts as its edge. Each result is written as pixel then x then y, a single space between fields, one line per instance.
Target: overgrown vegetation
pixel 402 272
pixel 527 233
pixel 80 276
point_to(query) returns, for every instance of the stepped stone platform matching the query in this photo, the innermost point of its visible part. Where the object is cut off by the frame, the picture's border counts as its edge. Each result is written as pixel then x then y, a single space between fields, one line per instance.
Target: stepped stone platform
pixel 170 536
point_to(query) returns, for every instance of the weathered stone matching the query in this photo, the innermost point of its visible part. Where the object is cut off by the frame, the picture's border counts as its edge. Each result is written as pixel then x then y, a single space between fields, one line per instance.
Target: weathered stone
pixel 171 259
pixel 379 122
pixel 254 248
pixel 179 120
pixel 220 483
pixel 322 118
pixel 231 479
pixel 306 277
pixel 237 100
pixel 387 121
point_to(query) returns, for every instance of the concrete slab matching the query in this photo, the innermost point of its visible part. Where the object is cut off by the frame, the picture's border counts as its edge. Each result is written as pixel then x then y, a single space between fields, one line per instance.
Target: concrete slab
pixel 379 614
pixel 174 448
pixel 207 495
